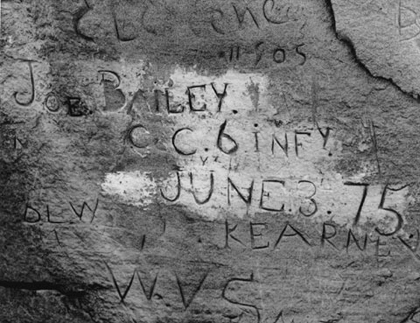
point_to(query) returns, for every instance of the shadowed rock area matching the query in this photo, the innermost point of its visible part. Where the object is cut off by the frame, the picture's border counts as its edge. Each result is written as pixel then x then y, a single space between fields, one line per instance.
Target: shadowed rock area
pixel 209 161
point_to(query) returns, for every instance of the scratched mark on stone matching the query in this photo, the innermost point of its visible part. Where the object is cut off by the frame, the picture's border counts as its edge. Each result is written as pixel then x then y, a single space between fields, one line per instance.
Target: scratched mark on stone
pixel 232 160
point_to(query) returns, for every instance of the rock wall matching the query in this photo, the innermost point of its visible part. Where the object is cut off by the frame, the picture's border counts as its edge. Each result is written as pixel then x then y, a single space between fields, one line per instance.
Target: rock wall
pixel 209 161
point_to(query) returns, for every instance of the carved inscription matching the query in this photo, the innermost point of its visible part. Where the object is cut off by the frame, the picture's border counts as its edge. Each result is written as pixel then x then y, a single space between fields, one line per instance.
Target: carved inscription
pixel 123 292
pixel 235 154
pixel 160 19
pixel 261 196
pixel 52 102
pixel 260 238
pixel 238 302
pixel 30 100
pixel 294 56
pixel 35 215
pixel 407 21
pixel 217 119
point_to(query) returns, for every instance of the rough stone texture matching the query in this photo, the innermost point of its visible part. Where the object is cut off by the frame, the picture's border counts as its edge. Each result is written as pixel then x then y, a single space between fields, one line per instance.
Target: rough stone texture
pixel 208 161
pixel 384 36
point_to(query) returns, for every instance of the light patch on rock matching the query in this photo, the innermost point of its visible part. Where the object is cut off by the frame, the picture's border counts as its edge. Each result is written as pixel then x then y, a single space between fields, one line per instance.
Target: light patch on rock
pixel 237 157
pixel 134 188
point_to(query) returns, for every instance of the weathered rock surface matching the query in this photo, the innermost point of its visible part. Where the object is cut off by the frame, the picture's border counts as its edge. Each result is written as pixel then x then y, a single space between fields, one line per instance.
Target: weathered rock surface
pixel 209 161
pixel 384 36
